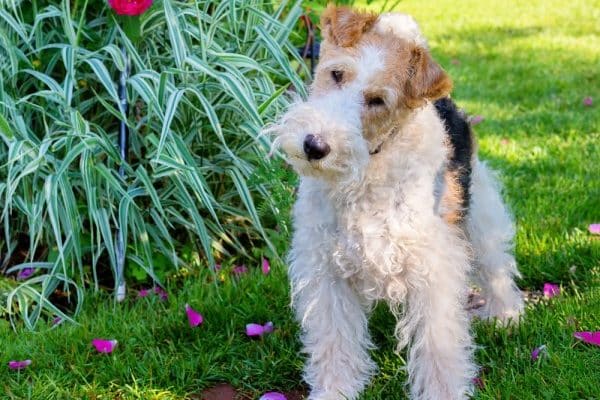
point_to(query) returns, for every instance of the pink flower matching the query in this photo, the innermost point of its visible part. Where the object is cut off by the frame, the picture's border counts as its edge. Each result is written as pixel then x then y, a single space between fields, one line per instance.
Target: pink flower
pixel 104 345
pixel 269 327
pixel 254 330
pixel 130 7
pixel 25 273
pixel 217 267
pixel 587 101
pixel 476 119
pixel 273 396
pixel 535 354
pixel 19 365
pixel 240 270
pixel 551 290
pixel 57 321
pixel 266 267
pixel 589 337
pixel 594 229
pixel 194 317
pixel 161 292
pixel 144 293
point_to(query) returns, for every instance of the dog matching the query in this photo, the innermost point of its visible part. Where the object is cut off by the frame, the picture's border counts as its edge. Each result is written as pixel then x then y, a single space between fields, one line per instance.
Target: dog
pixel 393 205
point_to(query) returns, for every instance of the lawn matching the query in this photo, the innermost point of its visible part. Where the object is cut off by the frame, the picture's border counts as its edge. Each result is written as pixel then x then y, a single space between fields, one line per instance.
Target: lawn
pixel 525 67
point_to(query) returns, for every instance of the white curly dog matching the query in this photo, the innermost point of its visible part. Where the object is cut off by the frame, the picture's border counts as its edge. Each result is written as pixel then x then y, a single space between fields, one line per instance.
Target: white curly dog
pixel 393 205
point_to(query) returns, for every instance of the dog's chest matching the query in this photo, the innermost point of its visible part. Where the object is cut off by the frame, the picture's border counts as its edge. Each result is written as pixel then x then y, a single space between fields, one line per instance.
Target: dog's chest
pixel 371 236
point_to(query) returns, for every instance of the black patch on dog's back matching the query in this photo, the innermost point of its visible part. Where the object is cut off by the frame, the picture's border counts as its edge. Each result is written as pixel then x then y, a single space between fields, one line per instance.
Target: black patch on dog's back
pixel 461 141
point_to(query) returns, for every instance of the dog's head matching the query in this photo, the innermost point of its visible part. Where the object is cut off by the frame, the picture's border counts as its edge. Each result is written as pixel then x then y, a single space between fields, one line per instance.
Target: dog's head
pixel 374 71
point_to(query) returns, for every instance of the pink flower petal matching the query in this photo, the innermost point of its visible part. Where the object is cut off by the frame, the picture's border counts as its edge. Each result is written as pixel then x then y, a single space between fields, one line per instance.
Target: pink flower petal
pixel 144 293
pixel 268 327
pixel 535 354
pixel 130 7
pixel 478 382
pixel 18 365
pixel 194 317
pixel 589 337
pixel 273 396
pixel 594 229
pixel 104 345
pixel 587 101
pixel 254 330
pixel 57 321
pixel 217 267
pixel 476 119
pixel 551 290
pixel 25 273
pixel 240 270
pixel 266 267
pixel 161 293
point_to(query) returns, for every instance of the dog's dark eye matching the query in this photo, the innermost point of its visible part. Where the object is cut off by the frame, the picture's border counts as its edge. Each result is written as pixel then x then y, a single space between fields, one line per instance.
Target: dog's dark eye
pixel 375 102
pixel 337 76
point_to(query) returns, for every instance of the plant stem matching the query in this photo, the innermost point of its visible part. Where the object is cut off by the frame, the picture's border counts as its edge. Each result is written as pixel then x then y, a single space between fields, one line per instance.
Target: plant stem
pixel 123 136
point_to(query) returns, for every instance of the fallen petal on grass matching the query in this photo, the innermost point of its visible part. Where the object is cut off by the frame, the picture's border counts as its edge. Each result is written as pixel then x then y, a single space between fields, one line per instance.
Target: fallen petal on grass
pixel 266 267
pixel 240 270
pixel 194 317
pixel 588 101
pixel 476 119
pixel 25 273
pixel 273 396
pixel 594 229
pixel 19 365
pixel 535 354
pixel 254 330
pixel 551 290
pixel 162 293
pixel 588 337
pixel 104 345
pixel 268 327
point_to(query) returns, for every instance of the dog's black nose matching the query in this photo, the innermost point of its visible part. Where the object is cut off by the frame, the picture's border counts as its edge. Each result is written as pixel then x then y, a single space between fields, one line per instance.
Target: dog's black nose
pixel 315 147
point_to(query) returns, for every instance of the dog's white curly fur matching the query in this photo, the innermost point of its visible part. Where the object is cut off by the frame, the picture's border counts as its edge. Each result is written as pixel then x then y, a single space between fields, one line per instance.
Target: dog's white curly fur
pixel 367 228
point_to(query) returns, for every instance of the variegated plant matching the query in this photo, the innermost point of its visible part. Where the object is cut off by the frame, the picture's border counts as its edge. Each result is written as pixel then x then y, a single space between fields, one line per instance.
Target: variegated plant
pixel 207 75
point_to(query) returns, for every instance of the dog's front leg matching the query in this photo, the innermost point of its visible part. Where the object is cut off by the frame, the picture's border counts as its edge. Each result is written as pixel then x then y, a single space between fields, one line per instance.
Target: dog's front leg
pixel 334 330
pixel 436 326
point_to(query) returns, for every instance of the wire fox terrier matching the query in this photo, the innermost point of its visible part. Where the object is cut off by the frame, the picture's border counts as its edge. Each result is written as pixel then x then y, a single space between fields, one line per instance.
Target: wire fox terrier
pixel 393 205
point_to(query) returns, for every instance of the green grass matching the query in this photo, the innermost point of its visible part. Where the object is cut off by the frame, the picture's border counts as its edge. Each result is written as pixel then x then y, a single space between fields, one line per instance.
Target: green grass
pixel 525 67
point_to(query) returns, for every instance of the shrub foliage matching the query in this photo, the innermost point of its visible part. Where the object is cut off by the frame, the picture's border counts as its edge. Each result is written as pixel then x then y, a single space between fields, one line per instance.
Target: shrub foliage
pixel 206 76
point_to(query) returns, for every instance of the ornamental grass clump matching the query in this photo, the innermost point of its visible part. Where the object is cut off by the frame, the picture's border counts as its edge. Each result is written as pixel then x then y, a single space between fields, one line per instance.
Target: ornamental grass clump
pixel 205 77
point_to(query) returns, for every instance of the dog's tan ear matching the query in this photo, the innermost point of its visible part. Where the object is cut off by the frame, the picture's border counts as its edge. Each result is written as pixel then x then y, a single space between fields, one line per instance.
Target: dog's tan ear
pixel 343 26
pixel 426 79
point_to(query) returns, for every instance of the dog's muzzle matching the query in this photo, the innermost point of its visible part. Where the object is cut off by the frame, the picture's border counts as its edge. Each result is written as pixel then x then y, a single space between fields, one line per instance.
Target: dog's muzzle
pixel 315 147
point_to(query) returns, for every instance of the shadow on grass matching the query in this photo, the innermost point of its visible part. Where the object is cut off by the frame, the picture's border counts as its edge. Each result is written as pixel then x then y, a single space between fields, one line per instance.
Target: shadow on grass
pixel 536 84
pixel 553 192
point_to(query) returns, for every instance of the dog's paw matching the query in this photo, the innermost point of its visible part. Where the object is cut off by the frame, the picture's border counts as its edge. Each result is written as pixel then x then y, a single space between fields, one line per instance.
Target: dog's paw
pixel 504 314
pixel 505 311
